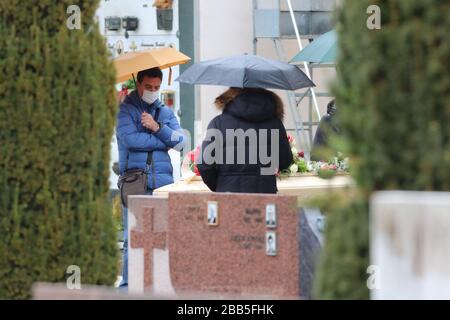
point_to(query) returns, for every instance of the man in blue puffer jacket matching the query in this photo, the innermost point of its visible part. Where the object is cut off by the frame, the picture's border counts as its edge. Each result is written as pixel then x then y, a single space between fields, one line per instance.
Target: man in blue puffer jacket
pixel 138 134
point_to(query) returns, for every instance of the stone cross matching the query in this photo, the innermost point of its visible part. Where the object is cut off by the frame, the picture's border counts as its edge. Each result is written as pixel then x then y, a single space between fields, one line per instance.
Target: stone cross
pixel 148 240
pixel 147 235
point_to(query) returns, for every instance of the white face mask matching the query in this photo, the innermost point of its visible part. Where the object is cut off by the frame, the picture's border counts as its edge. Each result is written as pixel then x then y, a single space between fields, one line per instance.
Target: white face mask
pixel 150 96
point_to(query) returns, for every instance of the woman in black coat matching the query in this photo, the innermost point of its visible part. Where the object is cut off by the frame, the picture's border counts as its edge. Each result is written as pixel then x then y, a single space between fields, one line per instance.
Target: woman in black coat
pixel 246 109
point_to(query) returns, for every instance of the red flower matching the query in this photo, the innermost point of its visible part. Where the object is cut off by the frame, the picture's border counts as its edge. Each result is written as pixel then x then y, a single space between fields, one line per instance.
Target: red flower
pixel 190 156
pixel 197 173
pixel 301 154
pixel 290 138
pixel 193 155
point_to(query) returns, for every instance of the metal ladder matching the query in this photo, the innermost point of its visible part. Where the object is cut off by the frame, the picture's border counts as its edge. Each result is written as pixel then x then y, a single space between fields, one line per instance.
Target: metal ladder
pixel 300 131
pixel 303 129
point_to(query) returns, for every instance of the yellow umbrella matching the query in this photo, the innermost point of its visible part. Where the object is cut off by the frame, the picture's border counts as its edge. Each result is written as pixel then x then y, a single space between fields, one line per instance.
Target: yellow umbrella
pixel 129 64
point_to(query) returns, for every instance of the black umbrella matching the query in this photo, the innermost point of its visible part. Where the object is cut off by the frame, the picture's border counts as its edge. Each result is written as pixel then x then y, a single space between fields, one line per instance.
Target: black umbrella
pixel 246 71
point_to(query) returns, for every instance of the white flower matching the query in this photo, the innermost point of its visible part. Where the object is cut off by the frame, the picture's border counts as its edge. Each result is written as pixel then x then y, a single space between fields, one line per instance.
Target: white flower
pixel 293 168
pixel 294 151
pixel 309 166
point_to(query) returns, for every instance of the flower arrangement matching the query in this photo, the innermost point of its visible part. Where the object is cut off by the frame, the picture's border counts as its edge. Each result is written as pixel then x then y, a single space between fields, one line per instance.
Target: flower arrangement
pixel 337 164
pixel 299 164
pixel 324 169
pixel 191 157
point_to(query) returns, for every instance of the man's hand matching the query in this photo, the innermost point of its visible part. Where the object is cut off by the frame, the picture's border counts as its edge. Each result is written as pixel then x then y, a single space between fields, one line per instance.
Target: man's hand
pixel 148 122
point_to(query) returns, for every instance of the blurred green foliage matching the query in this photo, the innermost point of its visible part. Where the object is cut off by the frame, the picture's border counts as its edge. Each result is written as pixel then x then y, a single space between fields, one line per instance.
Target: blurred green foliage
pixel 393 95
pixel 57 111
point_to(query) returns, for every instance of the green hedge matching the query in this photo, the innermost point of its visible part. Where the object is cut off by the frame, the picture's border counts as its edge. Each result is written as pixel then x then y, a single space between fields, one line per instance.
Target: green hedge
pixel 393 99
pixel 57 109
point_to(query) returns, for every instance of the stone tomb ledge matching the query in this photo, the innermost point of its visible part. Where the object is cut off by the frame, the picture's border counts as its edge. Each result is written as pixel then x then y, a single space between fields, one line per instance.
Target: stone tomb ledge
pixel 304 186
pixel 173 250
pixel 59 291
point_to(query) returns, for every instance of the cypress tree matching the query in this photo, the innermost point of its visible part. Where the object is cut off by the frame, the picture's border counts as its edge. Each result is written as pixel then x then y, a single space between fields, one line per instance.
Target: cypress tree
pixel 393 95
pixel 57 110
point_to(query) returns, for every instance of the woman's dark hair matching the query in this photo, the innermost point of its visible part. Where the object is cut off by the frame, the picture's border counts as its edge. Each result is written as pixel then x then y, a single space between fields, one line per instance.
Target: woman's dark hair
pixel 229 95
pixel 151 73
